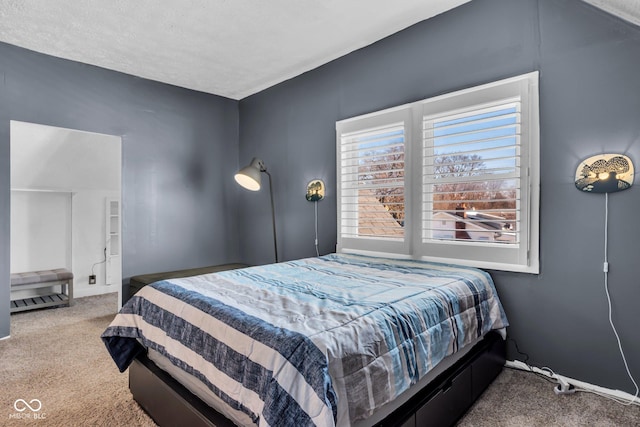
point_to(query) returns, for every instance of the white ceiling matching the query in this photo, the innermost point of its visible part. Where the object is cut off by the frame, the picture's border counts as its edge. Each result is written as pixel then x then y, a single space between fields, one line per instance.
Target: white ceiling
pixel 628 10
pixel 232 48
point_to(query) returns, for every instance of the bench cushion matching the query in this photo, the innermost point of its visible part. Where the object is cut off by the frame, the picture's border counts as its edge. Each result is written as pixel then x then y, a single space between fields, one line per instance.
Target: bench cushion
pixel 43 276
pixel 138 282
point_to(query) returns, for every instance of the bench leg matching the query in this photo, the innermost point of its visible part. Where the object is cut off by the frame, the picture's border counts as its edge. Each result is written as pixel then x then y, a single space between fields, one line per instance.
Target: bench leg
pixel 70 291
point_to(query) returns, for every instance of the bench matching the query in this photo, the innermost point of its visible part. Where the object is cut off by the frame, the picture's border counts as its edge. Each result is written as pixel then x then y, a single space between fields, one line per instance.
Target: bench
pixel 38 280
pixel 138 282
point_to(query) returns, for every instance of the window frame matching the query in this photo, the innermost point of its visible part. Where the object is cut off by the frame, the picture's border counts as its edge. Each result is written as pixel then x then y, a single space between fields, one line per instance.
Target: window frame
pixel 523 257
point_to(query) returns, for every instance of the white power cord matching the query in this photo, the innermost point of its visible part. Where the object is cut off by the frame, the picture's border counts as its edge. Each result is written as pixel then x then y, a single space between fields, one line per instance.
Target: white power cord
pixel 564 386
pixel 100 262
pixel 606 288
pixel 316 226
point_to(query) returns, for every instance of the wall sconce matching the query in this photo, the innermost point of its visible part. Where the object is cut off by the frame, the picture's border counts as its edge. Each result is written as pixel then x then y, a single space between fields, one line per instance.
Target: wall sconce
pixel 315 190
pixel 315 193
pixel 249 177
pixel 605 173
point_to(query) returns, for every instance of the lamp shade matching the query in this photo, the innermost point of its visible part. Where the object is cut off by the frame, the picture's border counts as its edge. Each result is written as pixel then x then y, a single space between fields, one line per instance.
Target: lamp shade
pixel 249 177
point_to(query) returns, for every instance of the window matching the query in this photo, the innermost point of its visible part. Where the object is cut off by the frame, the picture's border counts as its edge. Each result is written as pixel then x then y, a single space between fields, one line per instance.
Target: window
pixel 372 186
pixel 453 178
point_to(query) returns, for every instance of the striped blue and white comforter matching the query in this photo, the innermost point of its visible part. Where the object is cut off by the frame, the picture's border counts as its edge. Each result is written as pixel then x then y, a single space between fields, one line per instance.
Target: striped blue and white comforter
pixel 317 341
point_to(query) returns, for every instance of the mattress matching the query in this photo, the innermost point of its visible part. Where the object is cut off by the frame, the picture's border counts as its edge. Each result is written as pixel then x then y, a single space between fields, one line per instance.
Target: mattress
pixel 320 341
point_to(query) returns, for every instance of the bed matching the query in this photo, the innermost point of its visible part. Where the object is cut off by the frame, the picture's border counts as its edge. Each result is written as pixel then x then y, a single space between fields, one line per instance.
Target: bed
pixel 343 340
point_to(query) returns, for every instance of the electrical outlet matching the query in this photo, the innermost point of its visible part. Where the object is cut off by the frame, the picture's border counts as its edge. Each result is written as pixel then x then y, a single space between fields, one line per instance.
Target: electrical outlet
pixel 92 279
pixel 564 387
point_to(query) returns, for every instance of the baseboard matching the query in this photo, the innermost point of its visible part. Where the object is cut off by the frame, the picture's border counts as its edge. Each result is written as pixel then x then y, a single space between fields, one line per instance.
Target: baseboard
pixel 92 290
pixel 579 385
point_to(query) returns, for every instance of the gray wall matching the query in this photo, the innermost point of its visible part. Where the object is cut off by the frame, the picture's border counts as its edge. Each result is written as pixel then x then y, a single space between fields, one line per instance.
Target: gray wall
pixel 589 86
pixel 180 147
pixel 180 150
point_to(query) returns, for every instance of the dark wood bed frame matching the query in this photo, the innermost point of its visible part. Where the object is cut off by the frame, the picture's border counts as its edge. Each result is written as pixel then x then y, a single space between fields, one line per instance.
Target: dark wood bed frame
pixel 441 403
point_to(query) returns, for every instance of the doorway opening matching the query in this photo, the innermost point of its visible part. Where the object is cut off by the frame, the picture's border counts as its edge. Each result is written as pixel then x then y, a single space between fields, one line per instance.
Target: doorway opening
pixel 66 206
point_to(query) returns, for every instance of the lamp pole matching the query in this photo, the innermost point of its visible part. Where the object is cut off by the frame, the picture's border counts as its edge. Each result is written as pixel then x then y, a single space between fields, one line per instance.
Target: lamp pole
pixel 273 214
pixel 249 178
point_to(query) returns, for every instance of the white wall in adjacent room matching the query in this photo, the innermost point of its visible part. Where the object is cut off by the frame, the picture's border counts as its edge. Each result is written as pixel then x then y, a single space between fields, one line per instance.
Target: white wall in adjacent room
pixel 51 158
pixel 40 230
pixel 90 241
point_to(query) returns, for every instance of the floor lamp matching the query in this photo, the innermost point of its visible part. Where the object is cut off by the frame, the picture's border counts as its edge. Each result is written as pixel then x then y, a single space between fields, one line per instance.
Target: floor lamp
pixel 249 177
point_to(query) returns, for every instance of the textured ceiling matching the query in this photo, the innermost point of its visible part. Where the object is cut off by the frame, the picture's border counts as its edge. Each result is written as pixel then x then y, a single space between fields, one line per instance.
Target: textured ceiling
pixel 628 10
pixel 232 48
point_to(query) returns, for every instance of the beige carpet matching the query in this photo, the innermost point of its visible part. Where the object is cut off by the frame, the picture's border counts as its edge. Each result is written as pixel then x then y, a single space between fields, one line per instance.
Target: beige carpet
pixel 57 357
pixel 521 399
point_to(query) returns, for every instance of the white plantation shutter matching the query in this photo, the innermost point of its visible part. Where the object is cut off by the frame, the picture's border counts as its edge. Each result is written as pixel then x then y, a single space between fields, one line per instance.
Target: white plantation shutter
pixel 472 175
pixel 371 167
pixel 454 178
pixel 480 176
